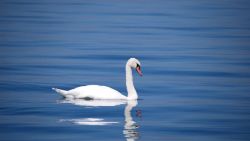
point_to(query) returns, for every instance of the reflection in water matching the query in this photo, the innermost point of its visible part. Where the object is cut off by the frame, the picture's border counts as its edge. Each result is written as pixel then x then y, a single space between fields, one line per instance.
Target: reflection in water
pixel 89 121
pixel 130 127
pixel 93 103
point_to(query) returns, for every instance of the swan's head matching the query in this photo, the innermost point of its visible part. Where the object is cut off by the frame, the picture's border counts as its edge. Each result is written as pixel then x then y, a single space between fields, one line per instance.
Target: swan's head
pixel 135 63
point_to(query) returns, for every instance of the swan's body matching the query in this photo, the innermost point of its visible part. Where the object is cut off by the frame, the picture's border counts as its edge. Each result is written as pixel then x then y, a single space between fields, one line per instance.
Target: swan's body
pixel 92 92
pixel 104 92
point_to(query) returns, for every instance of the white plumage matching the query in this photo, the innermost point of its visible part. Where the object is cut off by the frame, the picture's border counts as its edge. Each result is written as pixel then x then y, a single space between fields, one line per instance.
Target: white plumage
pixel 104 92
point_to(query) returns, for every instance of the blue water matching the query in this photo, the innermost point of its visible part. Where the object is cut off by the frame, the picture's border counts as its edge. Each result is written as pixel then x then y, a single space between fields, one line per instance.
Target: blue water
pixel 195 59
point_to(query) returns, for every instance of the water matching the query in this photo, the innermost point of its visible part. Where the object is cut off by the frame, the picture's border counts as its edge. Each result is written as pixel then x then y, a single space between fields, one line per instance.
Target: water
pixel 194 54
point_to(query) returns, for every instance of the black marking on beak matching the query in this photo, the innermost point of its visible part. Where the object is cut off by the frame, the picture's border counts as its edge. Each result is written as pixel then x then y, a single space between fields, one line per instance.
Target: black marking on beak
pixel 138 66
pixel 138 69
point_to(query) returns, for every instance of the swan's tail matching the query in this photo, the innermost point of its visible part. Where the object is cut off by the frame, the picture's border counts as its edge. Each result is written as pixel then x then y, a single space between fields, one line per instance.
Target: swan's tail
pixel 60 91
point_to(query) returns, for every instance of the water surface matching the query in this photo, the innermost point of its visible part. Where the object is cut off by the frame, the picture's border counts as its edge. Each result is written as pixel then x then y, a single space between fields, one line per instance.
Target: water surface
pixel 194 54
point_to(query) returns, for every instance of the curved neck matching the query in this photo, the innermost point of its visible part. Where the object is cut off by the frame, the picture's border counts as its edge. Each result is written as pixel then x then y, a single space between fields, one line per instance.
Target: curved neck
pixel 132 94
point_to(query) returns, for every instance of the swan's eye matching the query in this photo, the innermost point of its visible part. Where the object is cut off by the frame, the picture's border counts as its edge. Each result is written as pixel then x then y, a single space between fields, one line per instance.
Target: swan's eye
pixel 138 66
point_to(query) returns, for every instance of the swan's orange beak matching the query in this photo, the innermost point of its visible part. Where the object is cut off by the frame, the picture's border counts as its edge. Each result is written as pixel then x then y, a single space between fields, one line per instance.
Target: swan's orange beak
pixel 138 69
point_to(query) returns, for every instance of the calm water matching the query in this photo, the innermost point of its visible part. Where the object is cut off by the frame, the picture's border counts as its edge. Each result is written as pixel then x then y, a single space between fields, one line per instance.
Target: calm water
pixel 195 58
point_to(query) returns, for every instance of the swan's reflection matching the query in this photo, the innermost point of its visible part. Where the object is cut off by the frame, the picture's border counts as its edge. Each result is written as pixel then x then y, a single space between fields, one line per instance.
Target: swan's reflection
pixel 93 103
pixel 130 127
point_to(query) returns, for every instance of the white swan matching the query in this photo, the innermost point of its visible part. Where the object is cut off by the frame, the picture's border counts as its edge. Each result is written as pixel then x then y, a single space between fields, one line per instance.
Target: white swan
pixel 104 92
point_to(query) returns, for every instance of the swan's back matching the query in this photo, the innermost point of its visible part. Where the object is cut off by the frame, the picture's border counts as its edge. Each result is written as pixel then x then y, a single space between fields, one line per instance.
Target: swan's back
pixel 95 92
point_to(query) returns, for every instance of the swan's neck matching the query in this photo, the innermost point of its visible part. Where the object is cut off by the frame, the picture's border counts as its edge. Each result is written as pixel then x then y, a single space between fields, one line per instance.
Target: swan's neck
pixel 132 94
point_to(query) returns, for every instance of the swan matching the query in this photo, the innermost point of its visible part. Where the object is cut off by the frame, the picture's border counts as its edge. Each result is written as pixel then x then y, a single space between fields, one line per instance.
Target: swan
pixel 104 92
